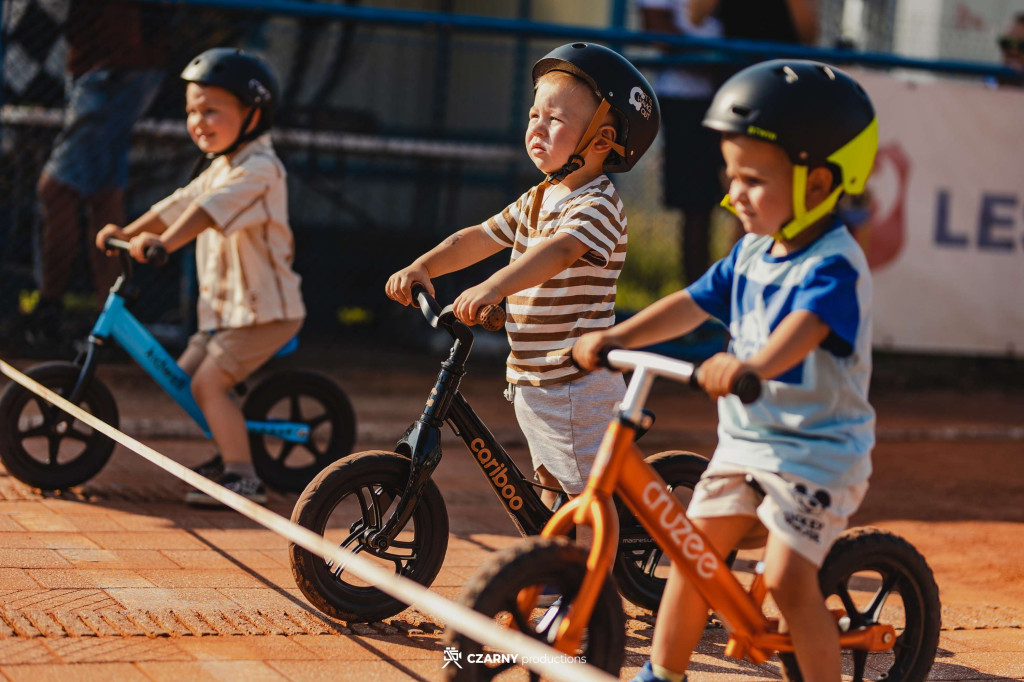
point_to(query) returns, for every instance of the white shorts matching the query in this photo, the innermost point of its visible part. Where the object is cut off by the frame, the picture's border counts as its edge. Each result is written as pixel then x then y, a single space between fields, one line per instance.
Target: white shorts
pixel 565 423
pixel 806 516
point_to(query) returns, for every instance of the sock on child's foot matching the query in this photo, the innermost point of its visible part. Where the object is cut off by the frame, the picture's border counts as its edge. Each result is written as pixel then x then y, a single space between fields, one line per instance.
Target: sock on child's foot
pixel 243 469
pixel 666 674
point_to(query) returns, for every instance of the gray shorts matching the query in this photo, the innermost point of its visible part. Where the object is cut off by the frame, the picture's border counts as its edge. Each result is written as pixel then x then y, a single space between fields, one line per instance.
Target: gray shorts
pixel 565 423
pixel 806 516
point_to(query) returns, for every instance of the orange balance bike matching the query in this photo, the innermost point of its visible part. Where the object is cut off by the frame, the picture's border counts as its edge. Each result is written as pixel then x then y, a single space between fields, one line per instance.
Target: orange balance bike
pixel 879 588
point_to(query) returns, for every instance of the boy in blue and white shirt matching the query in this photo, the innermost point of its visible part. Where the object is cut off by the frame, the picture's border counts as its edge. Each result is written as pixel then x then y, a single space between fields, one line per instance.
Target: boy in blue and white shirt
pixel 796 295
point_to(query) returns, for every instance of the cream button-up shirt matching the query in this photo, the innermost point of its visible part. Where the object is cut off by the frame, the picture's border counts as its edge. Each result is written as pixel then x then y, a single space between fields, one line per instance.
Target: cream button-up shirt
pixel 244 260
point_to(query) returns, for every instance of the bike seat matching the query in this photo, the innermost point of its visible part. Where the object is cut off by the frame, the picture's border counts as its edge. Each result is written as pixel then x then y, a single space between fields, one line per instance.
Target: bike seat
pixel 288 348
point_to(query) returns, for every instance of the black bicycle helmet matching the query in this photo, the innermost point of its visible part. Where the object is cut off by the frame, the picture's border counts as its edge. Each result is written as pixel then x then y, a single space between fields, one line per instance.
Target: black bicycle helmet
pixel 614 79
pixel 245 76
pixel 819 115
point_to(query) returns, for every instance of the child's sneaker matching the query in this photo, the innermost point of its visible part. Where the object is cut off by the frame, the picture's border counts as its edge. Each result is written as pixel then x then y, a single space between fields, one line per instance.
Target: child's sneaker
pixel 212 469
pixel 646 674
pixel 249 488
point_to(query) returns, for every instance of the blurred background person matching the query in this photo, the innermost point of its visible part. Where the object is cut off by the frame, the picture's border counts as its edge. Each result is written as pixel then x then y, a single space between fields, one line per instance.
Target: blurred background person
pixel 692 162
pixel 783 21
pixel 1011 46
pixel 115 67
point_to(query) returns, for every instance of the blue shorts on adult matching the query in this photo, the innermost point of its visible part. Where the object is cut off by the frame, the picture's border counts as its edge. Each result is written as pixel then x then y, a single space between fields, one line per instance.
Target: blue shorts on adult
pixel 91 153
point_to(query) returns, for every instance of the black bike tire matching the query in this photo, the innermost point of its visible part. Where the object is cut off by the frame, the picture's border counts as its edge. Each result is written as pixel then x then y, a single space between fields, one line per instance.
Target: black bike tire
pixel 313 509
pixel 96 399
pixel 533 561
pixel 864 549
pixel 337 409
pixel 676 467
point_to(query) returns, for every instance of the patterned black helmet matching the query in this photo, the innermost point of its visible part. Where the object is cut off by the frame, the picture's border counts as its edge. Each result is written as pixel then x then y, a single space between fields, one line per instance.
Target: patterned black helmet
pixel 245 76
pixel 613 78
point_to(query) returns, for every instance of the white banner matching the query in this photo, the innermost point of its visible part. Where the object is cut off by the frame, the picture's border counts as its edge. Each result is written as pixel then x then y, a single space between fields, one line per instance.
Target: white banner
pixel 946 235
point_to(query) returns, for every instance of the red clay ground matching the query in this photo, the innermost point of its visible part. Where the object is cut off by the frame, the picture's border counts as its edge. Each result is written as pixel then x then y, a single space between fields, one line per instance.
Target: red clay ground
pixel 119 580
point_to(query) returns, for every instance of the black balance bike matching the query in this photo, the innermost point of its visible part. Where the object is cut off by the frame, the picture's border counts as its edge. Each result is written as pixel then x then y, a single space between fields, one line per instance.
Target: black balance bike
pixel 386 505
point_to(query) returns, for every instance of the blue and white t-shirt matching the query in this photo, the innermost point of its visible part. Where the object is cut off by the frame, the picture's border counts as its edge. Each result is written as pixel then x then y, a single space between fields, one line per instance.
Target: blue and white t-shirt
pixel 813 420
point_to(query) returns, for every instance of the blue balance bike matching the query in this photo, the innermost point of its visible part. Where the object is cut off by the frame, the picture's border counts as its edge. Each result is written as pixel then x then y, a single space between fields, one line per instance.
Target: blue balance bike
pixel 298 421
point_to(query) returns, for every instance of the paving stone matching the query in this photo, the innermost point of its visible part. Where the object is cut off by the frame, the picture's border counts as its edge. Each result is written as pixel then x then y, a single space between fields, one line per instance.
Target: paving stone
pixel 191 621
pixel 242 648
pixel 21 625
pixel 31 558
pixel 16 579
pixel 81 672
pixel 37 521
pixel 63 540
pixel 21 651
pixel 95 622
pixel 213 671
pixel 157 540
pixel 167 621
pixel 44 623
pixel 119 621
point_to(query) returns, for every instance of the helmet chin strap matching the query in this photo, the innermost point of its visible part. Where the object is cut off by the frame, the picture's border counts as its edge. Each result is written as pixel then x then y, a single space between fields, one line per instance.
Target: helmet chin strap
pixel 802 218
pixel 576 160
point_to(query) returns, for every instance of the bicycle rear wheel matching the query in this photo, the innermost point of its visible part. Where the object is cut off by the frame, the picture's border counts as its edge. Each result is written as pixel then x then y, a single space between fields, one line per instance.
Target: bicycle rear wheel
pixel 641 567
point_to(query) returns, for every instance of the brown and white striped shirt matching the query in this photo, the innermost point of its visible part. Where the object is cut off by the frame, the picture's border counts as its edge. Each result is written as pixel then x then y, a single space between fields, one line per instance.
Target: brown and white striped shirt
pixel 544 321
pixel 244 261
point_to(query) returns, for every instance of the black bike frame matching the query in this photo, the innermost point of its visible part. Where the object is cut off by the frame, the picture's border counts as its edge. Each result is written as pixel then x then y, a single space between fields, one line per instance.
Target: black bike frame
pixel 422 444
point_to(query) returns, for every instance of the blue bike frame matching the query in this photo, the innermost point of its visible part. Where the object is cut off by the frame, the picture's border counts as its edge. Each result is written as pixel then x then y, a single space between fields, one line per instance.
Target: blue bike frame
pixel 117 322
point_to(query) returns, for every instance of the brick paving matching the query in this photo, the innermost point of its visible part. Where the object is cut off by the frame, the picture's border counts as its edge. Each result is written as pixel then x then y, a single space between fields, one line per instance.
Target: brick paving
pixel 119 580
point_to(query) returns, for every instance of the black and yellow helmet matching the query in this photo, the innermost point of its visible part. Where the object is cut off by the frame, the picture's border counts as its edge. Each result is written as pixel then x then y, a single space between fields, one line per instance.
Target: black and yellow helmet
pixel 819 115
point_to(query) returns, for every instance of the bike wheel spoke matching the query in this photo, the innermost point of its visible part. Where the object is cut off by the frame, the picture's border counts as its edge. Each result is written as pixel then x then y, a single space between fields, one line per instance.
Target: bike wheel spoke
pixel 651 564
pixel 317 421
pixel 856 617
pixel 54 450
pixel 75 434
pixel 287 447
pixel 875 609
pixel 311 447
pixel 34 432
pixel 295 408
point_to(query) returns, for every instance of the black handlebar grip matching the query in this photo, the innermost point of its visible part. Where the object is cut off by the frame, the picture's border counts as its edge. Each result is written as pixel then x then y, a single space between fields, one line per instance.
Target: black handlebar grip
pixel 747 387
pixel 602 356
pixel 491 317
pixel 156 255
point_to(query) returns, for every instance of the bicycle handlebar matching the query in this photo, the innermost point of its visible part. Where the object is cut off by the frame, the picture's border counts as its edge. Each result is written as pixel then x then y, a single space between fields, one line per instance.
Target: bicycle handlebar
pixel 155 254
pixel 747 386
pixel 491 317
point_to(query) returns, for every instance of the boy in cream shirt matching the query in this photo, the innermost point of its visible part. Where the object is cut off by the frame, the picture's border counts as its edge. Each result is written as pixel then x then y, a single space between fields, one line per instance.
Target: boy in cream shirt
pixel 250 303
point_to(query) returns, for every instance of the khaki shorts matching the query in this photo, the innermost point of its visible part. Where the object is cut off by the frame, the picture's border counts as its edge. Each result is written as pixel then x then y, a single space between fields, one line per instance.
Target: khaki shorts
pixel 239 351
pixel 806 516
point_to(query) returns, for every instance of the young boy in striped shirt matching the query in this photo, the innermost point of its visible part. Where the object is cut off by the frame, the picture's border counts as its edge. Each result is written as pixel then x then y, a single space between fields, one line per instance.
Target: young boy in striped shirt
pixel 592 112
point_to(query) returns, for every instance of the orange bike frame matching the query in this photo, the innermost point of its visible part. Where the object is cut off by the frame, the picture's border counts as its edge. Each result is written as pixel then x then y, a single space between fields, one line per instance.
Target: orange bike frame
pixel 620 468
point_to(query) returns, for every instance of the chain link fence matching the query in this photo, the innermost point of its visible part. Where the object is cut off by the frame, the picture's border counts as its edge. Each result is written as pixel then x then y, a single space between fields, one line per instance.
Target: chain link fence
pixel 393 137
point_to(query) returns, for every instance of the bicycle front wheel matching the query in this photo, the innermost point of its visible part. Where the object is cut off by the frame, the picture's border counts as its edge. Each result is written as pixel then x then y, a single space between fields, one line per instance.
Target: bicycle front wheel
pixel 347 502
pixel 557 566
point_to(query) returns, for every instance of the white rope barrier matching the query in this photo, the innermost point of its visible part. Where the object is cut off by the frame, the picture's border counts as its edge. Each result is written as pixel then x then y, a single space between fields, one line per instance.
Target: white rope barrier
pixel 351 143
pixel 538 656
